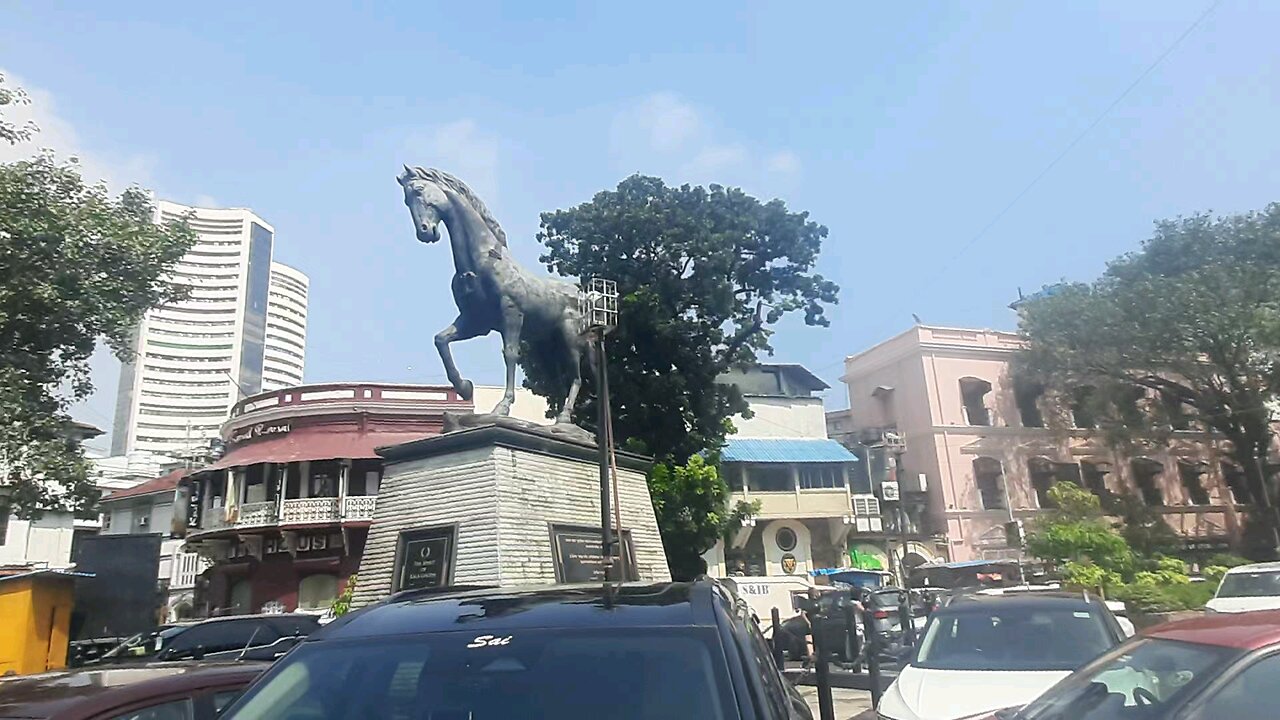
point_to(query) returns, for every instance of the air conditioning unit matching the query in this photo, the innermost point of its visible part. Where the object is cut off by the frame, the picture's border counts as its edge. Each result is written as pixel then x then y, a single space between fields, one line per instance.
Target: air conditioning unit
pixel 866 506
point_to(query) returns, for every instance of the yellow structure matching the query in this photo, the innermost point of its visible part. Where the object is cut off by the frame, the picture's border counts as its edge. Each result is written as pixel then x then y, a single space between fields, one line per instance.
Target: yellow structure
pixel 35 619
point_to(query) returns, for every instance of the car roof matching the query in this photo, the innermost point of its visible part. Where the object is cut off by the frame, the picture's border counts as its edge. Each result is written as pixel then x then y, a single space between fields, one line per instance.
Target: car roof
pixel 259 616
pixel 544 607
pixel 978 601
pixel 1255 567
pixel 74 693
pixel 1246 631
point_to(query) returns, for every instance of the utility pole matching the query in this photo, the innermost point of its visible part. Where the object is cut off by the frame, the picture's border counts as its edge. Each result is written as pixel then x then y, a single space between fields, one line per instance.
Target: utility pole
pixel 599 305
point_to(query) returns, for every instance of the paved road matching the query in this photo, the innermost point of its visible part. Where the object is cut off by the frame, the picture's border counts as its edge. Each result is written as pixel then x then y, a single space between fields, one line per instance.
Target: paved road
pixel 848 703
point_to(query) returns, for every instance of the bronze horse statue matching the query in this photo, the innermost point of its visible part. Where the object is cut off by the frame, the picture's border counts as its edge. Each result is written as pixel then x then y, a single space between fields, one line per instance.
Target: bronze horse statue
pixel 493 292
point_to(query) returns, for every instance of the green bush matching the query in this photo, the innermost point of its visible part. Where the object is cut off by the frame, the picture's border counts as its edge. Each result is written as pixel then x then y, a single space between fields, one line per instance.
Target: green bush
pixel 1227 560
pixel 1156 598
pixel 1213 574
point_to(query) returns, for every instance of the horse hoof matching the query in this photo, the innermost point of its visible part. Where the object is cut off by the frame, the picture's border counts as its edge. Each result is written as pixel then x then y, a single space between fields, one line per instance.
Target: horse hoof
pixel 466 389
pixel 503 408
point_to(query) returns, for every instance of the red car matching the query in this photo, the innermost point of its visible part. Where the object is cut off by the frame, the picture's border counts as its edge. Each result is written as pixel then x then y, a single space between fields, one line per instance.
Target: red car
pixel 1216 667
pixel 169 691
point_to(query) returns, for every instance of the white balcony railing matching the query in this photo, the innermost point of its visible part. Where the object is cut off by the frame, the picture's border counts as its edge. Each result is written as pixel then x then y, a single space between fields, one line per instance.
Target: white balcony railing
pixel 359 507
pixel 310 510
pixel 258 513
pixel 292 511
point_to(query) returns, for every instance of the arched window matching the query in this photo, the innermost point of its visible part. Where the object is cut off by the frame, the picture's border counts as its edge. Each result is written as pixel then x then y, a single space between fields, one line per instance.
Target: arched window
pixel 317 592
pixel 973 393
pixel 1146 475
pixel 988 475
pixel 1191 472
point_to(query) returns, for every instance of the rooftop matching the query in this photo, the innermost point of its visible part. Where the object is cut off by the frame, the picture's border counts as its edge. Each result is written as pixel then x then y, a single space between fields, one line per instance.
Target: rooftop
pixel 546 607
pixel 1246 631
pixel 163 484
pixel 785 450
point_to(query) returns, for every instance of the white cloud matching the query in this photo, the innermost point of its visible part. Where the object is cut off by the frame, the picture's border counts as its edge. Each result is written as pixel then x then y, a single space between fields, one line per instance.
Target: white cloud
pixel 783 163
pixel 206 201
pixel 459 148
pixel 666 135
pixel 57 134
pixel 714 162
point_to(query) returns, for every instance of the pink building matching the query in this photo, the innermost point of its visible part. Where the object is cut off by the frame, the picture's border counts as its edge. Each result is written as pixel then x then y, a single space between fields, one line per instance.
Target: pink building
pixel 979 452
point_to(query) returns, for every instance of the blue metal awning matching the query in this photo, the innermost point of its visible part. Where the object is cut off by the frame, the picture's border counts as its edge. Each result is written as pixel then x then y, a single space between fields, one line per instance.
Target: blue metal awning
pixel 785 450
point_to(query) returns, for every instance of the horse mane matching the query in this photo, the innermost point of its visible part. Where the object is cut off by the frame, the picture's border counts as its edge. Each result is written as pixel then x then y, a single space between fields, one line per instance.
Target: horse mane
pixel 441 177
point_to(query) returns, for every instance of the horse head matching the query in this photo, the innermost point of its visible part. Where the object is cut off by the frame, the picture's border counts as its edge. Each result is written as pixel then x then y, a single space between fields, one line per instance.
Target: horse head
pixel 426 201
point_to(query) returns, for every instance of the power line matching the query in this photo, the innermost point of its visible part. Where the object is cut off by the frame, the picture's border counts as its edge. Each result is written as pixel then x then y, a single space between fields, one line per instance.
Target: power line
pixel 1084 133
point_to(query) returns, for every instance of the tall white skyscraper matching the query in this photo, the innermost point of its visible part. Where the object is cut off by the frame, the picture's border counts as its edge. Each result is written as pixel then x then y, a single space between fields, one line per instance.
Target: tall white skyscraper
pixel 286 345
pixel 193 359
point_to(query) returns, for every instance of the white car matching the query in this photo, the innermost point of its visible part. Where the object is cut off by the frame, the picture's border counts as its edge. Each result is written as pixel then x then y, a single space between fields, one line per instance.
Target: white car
pixel 1116 607
pixel 982 653
pixel 1247 588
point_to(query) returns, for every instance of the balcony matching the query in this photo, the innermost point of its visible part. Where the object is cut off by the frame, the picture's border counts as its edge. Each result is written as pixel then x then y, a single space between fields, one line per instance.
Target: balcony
pixel 805 503
pixel 185 568
pixel 292 511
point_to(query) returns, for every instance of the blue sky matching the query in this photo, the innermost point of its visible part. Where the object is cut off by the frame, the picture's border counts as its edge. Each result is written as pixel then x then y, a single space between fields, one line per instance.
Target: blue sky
pixel 904 128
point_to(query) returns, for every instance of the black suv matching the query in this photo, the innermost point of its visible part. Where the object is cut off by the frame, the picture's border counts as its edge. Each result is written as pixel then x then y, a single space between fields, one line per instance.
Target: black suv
pixel 631 652
pixel 245 637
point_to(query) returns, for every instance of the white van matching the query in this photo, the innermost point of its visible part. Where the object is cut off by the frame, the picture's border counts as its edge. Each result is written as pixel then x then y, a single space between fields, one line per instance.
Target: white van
pixel 1246 588
pixel 763 593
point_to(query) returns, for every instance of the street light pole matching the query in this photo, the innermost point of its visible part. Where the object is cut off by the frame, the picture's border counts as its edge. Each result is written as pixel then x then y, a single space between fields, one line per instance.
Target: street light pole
pixel 599 307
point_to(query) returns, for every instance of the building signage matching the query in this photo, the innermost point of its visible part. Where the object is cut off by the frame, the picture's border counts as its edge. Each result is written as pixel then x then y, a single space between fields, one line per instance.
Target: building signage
pixel 253 432
pixel 788 563
pixel 304 542
pixel 577 554
pixel 424 559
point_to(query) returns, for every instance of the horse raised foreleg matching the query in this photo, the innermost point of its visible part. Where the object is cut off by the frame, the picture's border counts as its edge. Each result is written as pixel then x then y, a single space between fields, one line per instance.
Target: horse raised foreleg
pixel 465 388
pixel 512 322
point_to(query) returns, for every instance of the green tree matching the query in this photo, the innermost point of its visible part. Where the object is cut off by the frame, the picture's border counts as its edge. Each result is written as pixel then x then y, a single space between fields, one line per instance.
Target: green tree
pixel 1078 536
pixel 11 132
pixel 1192 320
pixel 703 276
pixel 75 265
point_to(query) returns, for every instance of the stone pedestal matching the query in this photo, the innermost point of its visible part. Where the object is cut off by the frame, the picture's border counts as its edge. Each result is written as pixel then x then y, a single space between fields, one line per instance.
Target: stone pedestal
pixel 500 505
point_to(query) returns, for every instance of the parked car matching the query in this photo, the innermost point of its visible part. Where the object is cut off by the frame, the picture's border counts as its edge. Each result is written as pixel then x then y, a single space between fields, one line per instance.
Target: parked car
pixel 1216 667
pixel 1247 588
pixel 980 653
pixel 170 691
pixel 247 637
pixel 1117 608
pixel 639 651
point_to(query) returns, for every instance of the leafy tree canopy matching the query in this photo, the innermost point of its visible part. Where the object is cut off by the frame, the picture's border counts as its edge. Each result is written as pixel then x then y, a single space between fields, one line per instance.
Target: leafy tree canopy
pixel 76 265
pixel 703 275
pixel 1078 532
pixel 1184 332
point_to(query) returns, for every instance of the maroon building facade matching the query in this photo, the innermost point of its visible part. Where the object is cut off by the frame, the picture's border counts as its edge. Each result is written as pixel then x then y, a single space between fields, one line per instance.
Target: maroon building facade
pixel 284 514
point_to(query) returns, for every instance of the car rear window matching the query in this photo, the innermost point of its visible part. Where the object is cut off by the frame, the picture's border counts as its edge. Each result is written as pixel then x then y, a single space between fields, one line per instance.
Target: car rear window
pixel 1015 637
pixel 566 675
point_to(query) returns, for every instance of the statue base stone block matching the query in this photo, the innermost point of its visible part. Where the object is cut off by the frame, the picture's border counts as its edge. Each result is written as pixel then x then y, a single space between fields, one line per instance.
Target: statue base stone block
pixel 502 505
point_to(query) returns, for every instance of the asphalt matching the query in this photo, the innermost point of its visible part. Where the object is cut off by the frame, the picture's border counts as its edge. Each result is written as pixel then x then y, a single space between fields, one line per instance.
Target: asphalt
pixel 847 703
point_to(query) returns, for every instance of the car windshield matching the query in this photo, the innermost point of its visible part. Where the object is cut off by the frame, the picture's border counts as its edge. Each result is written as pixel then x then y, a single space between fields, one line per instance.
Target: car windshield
pixel 1139 680
pixel 1250 584
pixel 144 644
pixel 1014 637
pixel 640 675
